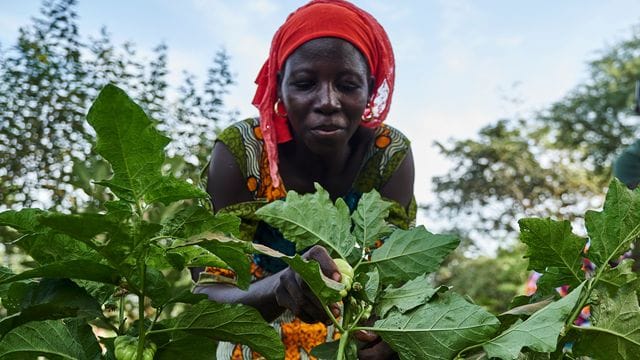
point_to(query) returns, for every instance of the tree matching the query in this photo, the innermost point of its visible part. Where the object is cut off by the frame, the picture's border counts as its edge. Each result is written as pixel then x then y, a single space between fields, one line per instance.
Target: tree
pixel 556 162
pixel 491 281
pixel 43 97
pixel 47 81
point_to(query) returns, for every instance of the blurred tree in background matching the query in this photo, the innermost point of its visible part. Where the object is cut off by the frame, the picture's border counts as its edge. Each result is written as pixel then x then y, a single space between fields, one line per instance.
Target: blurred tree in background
pixel 554 163
pixel 48 80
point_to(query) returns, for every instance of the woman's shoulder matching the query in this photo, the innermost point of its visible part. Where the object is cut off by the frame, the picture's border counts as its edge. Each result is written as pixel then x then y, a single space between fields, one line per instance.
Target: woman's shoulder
pixel 387 136
pixel 244 140
pixel 388 149
pixel 246 128
pixel 385 154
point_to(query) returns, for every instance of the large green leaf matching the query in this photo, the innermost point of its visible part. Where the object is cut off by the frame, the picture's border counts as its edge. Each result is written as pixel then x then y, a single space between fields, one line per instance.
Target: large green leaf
pixel 65 339
pixel 372 285
pixel 195 220
pixel 12 300
pixel 619 276
pixel 110 239
pixel 189 347
pixel 5 273
pixel 85 227
pixel 52 299
pixel 612 229
pixel 326 289
pixel 312 219
pixel 118 210
pixel 614 332
pixel 47 248
pixel 438 329
pixel 156 285
pixel 42 244
pixel 410 253
pixel 168 189
pixel 234 323
pixel 369 219
pixel 73 269
pixel 135 149
pixel 552 244
pixel 539 332
pixel 232 251
pixel 25 220
pixel 407 297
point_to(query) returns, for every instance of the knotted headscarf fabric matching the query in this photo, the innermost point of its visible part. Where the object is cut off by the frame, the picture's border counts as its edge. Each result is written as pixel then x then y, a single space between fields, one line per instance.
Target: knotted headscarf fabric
pixel 317 19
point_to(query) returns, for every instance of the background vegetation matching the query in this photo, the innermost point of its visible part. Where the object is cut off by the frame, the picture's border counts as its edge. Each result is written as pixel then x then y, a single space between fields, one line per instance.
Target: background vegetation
pixel 553 163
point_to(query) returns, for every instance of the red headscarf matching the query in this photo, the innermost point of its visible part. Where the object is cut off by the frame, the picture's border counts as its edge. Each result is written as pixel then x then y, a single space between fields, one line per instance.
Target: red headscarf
pixel 323 18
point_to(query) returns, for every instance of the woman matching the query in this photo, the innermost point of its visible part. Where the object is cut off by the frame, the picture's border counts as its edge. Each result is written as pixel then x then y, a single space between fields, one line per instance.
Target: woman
pixel 322 94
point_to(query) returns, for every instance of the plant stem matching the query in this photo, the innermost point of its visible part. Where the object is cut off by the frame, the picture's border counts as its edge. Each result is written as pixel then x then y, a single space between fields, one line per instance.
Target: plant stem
pixel 121 318
pixel 333 318
pixel 155 319
pixel 160 237
pixel 582 302
pixel 468 348
pixel 141 295
pixel 344 336
pixel 141 317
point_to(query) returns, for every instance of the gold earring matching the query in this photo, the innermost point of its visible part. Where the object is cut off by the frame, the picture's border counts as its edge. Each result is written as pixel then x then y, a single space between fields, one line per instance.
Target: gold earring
pixel 275 109
pixel 368 113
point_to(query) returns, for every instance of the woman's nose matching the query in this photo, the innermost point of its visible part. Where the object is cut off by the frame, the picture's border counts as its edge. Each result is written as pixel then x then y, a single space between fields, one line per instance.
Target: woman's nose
pixel 328 98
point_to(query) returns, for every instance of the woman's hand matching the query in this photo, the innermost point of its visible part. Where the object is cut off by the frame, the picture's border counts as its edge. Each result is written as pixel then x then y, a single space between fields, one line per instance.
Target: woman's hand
pixel 294 294
pixel 375 348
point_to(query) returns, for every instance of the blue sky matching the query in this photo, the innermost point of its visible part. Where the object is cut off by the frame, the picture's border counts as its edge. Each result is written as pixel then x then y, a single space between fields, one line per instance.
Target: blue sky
pixel 456 60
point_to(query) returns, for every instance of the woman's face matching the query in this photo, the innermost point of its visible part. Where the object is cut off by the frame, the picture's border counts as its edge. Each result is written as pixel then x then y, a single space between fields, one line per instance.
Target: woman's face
pixel 325 86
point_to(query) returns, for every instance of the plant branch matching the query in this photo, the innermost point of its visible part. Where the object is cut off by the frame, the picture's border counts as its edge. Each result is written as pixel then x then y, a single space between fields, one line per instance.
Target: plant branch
pixel 333 318
pixel 344 337
pixel 121 317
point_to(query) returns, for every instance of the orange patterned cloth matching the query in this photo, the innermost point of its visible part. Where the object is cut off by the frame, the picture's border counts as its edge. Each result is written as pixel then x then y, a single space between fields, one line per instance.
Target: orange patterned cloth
pixel 298 335
pixel 267 190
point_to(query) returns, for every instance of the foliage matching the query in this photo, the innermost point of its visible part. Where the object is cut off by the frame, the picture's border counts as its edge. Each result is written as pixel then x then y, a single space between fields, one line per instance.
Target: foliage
pixel 426 322
pixel 88 263
pixel 47 82
pixel 555 162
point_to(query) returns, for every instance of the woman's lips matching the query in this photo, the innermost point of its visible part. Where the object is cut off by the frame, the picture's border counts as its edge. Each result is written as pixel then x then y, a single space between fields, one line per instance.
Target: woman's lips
pixel 326 130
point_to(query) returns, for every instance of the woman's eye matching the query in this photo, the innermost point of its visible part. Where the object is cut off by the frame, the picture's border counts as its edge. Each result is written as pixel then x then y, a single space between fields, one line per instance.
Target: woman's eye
pixel 349 86
pixel 302 85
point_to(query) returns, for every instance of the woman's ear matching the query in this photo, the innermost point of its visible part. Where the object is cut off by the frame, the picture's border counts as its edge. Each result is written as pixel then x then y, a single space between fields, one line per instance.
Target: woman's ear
pixel 372 83
pixel 279 82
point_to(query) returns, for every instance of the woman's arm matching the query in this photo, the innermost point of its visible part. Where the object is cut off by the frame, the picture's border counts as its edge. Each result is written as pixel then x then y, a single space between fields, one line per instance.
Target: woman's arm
pixel 225 182
pixel 272 295
pixel 399 187
pixel 280 291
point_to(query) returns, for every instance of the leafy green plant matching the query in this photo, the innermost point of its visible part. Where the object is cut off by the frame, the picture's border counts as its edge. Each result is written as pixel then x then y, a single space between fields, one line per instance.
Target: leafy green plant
pixel 87 263
pixel 423 322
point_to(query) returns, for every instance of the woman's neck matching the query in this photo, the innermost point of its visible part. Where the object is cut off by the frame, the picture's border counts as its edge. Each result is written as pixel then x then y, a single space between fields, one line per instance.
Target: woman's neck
pixel 336 170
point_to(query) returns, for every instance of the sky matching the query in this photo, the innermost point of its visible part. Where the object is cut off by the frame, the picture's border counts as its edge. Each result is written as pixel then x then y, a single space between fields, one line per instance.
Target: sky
pixel 459 63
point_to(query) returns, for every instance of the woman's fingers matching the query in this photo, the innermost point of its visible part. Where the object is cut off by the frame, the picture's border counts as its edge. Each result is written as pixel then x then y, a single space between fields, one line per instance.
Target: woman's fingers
pixel 328 267
pixel 295 295
pixel 366 336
